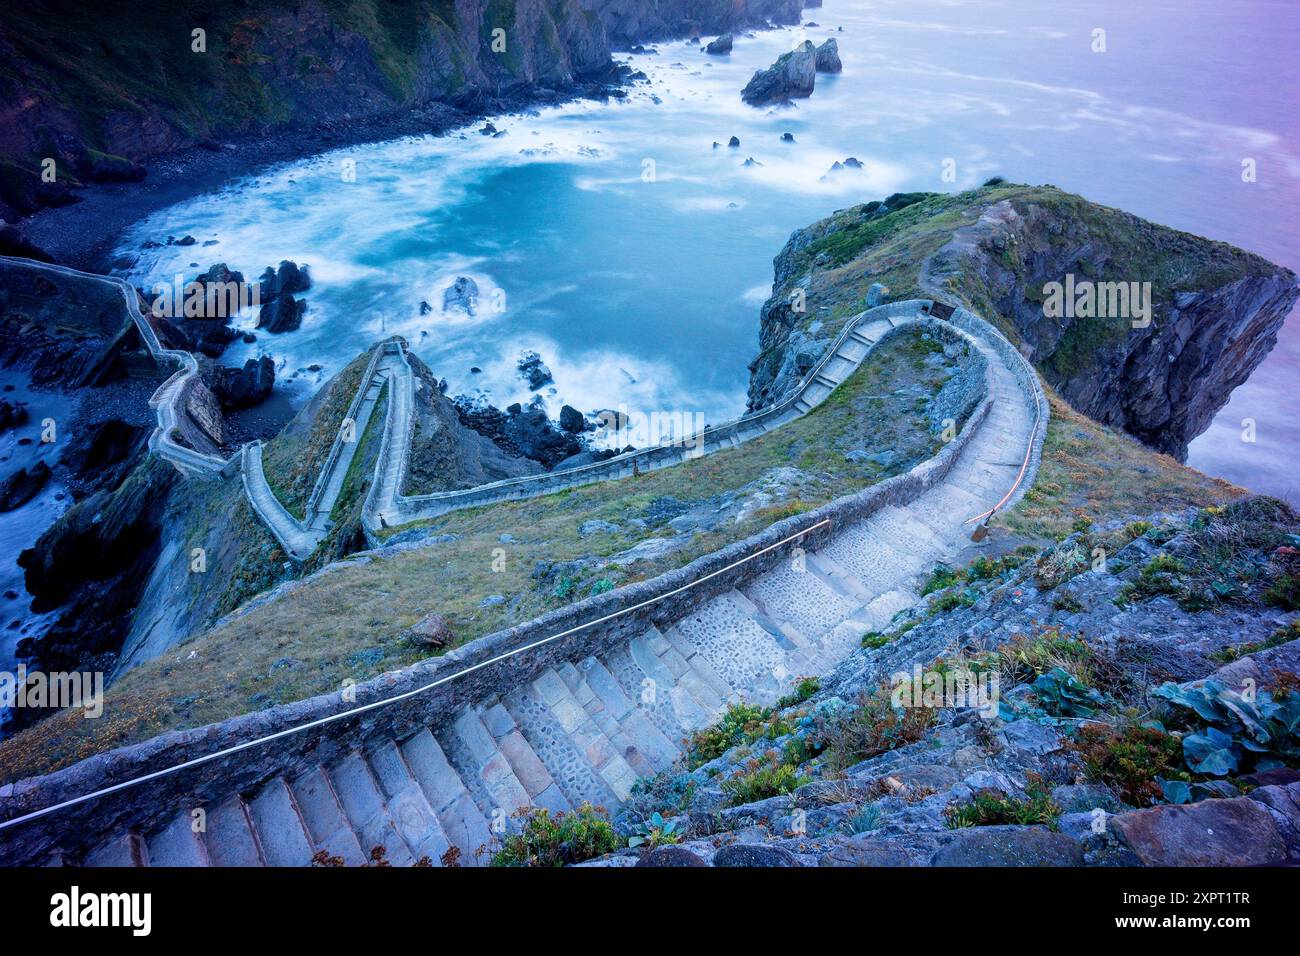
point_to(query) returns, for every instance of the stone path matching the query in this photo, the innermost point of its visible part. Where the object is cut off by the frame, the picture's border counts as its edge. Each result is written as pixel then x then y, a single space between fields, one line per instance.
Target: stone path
pixel 586 730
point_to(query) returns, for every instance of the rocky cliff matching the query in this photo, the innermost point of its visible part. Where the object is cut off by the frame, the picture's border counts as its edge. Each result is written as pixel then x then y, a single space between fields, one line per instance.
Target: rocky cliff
pixel 1159 327
pixel 101 91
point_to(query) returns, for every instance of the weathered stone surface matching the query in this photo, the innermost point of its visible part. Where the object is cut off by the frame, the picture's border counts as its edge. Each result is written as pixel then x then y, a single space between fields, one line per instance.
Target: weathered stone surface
pixel 670 856
pixel 1009 846
pixel 1238 832
pixel 720 45
pixel 752 855
pixel 433 630
pixel 867 851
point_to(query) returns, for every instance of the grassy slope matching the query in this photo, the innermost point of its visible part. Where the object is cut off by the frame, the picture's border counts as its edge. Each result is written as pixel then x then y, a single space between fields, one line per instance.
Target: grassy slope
pixel 348 623
pixel 293 459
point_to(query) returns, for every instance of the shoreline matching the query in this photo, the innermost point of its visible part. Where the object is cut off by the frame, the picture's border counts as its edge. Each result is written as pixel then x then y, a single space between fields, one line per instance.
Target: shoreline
pixel 83 234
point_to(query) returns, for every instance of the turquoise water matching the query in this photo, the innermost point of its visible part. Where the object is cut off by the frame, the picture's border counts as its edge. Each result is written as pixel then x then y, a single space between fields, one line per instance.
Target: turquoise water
pixel 646 293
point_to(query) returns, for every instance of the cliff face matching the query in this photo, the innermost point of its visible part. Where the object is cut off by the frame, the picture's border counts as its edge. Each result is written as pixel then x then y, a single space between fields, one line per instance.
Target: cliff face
pixel 1201 315
pixel 101 90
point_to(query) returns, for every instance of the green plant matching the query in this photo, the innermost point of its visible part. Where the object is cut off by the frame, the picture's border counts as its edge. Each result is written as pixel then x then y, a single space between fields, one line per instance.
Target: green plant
pixel 1063 696
pixel 1236 731
pixel 1284 592
pixel 874 640
pixel 741 724
pixel 762 777
pixel 992 807
pixel 1279 637
pixel 559 840
pixel 864 819
pixel 804 688
pixel 873 725
pixel 654 832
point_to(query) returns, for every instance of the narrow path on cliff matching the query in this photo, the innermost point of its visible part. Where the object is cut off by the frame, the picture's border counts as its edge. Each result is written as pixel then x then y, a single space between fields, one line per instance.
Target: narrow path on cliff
pixel 584 727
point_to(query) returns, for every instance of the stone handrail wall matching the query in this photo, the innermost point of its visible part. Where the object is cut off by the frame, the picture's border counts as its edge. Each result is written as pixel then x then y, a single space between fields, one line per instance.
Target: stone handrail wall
pixel 170 395
pixel 594 622
pixel 419 507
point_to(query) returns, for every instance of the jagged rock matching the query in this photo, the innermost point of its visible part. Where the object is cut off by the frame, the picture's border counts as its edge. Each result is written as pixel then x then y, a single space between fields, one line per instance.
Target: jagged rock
pixel 14 242
pixel 748 855
pixel 670 856
pixel 461 294
pixel 719 45
pixel 787 137
pixel 282 314
pixel 534 372
pixel 23 485
pixel 1237 832
pixel 1009 846
pixel 793 75
pixel 432 630
pixel 572 420
pixel 244 387
pixel 12 414
pixel 289 278
pixel 734 142
pixel 828 57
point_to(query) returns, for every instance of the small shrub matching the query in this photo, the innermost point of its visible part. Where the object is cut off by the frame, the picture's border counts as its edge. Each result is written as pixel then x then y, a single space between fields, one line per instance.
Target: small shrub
pixel 1284 592
pixel 1132 761
pixel 558 840
pixel 654 832
pixel 992 807
pixel 741 724
pixel 804 688
pixel 874 640
pixel 768 776
pixel 870 727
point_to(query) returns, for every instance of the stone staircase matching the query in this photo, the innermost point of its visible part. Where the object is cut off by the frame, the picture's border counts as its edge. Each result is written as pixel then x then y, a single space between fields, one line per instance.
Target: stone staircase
pixel 586 730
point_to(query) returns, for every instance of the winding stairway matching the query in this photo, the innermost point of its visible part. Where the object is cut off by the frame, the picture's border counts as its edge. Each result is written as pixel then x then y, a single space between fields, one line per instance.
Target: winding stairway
pixel 587 729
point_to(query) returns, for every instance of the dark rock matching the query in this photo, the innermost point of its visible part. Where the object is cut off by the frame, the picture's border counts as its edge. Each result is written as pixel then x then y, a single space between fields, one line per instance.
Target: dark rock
pixel 1238 832
pixel 244 387
pixel 282 314
pixel 734 142
pixel 787 137
pixel 751 855
pixel 534 371
pixel 1009 846
pixel 719 45
pixel 12 414
pixel 14 242
pixel 828 57
pixel 289 278
pixel 461 294
pixel 425 307
pixel 792 76
pixel 572 420
pixel 670 856
pixel 23 485
pixel 432 631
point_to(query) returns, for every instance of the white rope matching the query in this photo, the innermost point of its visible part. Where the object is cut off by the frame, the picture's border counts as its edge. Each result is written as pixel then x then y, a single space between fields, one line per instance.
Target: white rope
pixel 226 752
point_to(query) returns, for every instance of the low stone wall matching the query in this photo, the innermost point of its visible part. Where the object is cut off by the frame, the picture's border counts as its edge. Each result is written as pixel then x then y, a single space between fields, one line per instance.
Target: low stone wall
pixel 309 732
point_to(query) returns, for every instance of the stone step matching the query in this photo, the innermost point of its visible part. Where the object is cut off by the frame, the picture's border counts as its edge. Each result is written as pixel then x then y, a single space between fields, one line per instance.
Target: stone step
pixel 867 554
pixel 798 600
pixel 691 712
pixel 644 692
pixel 406 804
pixel 474 753
pixel 748 657
pixel 327 825
pixel 177 844
pixel 229 836
pixel 121 851
pixel 700 667
pixel 527 766
pixel 363 804
pixel 583 733
pixel 462 820
pixel 568 766
pixel 278 826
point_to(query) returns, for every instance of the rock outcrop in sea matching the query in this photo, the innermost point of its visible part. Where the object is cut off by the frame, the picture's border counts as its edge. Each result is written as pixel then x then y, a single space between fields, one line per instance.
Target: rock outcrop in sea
pixel 792 76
